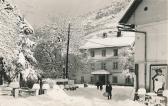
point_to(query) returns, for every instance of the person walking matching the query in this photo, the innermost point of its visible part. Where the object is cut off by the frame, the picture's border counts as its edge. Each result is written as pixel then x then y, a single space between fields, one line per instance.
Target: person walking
pixel 108 90
pixel 101 86
pixel 97 84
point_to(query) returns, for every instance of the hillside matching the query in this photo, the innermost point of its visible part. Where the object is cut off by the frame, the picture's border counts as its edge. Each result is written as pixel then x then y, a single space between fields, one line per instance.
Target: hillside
pixel 39 12
pixel 107 17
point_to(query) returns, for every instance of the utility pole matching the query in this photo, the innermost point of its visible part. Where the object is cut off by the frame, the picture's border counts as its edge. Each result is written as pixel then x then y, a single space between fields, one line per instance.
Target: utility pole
pixel 69 27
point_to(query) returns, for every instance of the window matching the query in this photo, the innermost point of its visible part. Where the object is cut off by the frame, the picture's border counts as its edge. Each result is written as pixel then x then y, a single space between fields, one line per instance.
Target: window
pixel 115 65
pixel 115 79
pixel 92 53
pixel 104 53
pixel 82 79
pixel 128 80
pixel 92 66
pixel 91 79
pixel 103 66
pixel 119 34
pixel 104 35
pixel 146 8
pixel 115 52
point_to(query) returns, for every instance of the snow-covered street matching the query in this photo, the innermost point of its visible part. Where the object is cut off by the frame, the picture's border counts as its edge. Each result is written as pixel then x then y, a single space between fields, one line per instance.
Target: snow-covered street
pixel 118 93
pixel 80 97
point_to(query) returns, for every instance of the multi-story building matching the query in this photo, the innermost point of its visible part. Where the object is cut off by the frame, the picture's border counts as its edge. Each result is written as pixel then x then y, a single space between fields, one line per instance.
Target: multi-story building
pixel 106 62
pixel 151 20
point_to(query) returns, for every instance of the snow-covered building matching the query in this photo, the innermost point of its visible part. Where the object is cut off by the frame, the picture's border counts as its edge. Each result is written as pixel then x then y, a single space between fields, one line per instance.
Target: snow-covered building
pixel 151 20
pixel 103 33
pixel 104 45
pixel 105 59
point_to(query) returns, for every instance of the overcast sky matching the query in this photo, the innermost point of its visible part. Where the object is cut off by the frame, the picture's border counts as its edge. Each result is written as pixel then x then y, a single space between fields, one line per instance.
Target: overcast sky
pixel 40 11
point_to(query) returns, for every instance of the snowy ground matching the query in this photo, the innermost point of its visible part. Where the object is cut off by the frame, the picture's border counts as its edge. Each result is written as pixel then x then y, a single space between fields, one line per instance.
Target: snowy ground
pixel 118 93
pixel 81 97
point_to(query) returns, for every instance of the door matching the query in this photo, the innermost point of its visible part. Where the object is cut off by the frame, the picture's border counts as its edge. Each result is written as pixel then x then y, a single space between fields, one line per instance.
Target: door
pixel 102 79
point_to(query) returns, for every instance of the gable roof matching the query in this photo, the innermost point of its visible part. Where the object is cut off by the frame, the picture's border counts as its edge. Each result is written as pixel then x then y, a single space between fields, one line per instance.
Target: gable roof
pixel 108 42
pixel 130 10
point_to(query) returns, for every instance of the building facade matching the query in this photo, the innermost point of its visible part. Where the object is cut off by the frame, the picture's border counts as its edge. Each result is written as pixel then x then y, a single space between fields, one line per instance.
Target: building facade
pixel 151 20
pixel 105 59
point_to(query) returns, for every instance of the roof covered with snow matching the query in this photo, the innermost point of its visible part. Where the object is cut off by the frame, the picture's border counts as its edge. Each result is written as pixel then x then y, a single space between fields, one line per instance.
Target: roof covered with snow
pixel 108 42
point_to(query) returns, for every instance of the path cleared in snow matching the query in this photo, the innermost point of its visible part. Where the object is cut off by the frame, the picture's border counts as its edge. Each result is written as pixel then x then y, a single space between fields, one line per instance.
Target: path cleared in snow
pixel 118 93
pixel 58 97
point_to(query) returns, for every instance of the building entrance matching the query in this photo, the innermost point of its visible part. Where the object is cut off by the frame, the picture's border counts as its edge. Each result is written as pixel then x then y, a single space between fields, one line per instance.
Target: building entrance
pixel 102 79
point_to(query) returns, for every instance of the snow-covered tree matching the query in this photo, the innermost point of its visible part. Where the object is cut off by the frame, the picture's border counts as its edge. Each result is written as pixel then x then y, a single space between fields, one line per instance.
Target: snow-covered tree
pixel 15 45
pixel 76 65
pixel 127 58
pixel 127 63
pixel 52 45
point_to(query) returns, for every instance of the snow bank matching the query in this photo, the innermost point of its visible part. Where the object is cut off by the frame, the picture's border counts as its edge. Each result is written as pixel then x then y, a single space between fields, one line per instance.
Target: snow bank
pixel 57 92
pixel 122 92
